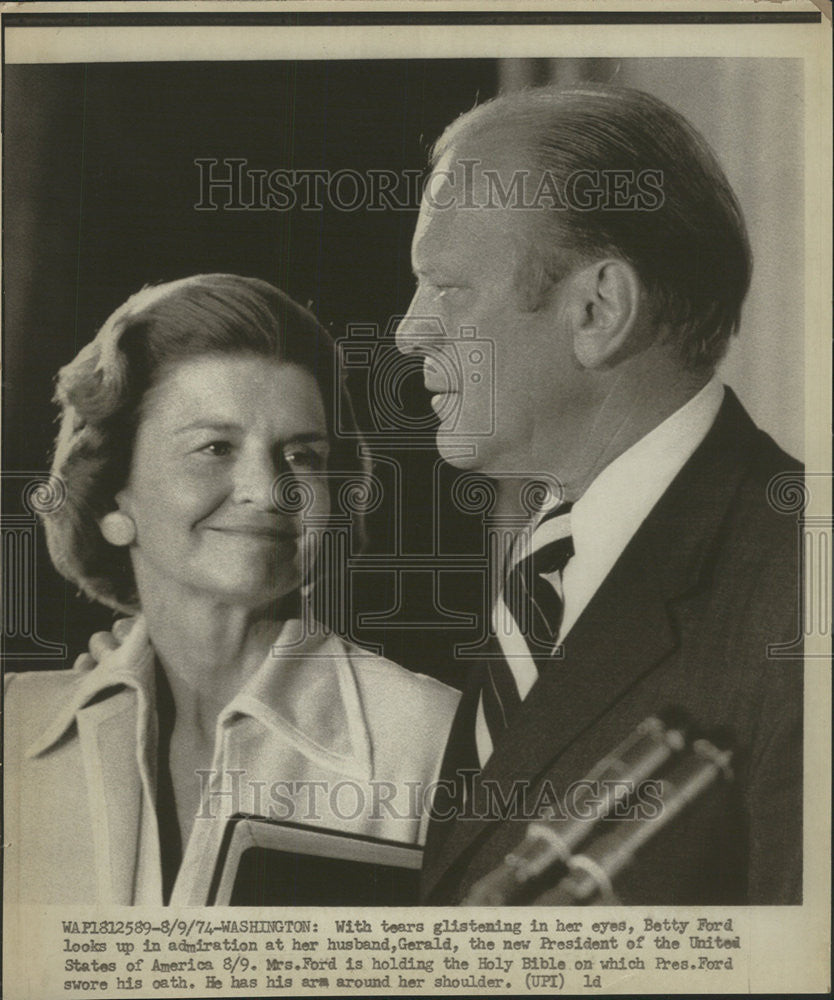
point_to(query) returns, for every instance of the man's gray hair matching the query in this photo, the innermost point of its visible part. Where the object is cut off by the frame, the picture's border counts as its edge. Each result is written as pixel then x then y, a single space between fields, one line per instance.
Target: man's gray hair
pixel 686 237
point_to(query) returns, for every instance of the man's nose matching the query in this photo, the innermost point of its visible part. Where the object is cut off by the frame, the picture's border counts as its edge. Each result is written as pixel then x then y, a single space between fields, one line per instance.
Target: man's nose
pixel 418 329
pixel 404 336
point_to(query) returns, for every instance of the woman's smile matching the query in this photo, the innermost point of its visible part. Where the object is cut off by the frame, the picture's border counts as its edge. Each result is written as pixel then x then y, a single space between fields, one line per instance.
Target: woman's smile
pixel 270 540
pixel 272 531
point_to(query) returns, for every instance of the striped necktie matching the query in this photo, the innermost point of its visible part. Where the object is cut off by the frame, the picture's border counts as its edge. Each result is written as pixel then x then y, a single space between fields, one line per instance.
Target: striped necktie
pixel 527 618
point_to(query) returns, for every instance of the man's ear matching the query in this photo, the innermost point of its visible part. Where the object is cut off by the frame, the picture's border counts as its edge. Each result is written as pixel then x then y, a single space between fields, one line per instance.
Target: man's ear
pixel 603 310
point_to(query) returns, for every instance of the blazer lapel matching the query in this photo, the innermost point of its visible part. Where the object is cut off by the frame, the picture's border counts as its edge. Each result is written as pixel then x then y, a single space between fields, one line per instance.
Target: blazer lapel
pixel 115 726
pixel 107 733
pixel 625 632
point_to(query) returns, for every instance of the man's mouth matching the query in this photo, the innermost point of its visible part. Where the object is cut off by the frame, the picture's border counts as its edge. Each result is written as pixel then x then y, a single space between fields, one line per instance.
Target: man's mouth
pixel 445 406
pixel 436 380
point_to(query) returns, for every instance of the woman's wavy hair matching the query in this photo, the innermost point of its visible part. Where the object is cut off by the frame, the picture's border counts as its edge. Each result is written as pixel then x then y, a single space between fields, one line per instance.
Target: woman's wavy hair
pixel 100 393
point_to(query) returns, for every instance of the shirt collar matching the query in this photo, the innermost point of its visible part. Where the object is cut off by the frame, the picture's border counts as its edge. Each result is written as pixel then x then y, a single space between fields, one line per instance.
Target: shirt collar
pixel 305 693
pixel 615 504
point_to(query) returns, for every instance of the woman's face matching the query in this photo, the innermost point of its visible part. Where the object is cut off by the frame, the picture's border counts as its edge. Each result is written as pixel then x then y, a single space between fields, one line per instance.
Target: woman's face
pixel 214 434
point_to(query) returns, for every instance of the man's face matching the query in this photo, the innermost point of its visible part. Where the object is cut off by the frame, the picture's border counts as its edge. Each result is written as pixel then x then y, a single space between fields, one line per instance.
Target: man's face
pixel 504 380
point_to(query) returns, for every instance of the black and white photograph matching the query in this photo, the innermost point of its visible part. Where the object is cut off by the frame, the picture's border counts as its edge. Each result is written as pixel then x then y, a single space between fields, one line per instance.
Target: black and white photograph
pixel 415 499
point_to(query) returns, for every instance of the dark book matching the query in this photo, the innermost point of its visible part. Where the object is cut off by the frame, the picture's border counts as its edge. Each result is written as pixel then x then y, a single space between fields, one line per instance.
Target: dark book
pixel 264 862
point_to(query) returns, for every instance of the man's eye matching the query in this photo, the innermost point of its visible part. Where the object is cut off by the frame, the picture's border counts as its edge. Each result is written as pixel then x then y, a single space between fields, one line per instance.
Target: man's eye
pixel 435 286
pixel 217 448
pixel 441 292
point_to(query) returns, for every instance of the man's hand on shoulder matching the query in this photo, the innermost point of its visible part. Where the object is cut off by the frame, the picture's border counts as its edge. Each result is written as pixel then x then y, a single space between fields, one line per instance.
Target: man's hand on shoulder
pixel 102 643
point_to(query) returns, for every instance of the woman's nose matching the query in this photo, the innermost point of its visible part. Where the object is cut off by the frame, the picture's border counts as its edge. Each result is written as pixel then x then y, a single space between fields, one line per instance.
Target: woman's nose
pixel 254 480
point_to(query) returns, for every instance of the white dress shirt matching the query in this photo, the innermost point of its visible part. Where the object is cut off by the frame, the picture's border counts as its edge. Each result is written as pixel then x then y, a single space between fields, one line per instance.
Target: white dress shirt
pixel 607 516
pixel 604 520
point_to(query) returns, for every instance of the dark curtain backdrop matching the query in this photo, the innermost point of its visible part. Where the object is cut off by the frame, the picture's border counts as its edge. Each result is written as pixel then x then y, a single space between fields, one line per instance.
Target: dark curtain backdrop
pixel 100 192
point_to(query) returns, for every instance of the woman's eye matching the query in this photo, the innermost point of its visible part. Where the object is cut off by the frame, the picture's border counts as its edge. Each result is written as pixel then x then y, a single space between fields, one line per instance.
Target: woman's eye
pixel 217 448
pixel 301 458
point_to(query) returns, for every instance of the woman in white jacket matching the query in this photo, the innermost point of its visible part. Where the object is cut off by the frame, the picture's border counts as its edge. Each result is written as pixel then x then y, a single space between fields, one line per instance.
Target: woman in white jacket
pixel 191 425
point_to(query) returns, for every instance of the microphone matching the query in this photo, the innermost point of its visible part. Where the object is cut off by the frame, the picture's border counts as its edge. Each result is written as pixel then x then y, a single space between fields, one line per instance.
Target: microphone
pixel 549 843
pixel 590 874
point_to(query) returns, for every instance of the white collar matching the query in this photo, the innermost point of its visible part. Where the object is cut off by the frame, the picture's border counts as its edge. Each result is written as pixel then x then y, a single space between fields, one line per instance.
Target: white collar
pixel 613 507
pixel 618 500
pixel 305 692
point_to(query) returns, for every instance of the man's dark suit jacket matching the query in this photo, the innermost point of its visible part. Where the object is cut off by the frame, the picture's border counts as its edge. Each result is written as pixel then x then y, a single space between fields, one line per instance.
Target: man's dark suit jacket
pixel 684 619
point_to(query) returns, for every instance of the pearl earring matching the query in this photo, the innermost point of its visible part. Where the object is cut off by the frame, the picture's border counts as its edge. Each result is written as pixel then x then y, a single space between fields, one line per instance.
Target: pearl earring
pixel 118 528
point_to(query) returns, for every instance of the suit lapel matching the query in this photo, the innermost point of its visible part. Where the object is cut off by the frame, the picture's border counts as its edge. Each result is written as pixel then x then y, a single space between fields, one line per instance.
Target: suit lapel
pixel 626 630
pixel 460 753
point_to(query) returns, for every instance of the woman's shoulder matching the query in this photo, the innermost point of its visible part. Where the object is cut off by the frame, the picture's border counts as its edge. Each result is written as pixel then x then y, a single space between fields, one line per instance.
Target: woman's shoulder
pixel 407 715
pixel 29 684
pixel 31 695
pixel 390 680
pixel 33 699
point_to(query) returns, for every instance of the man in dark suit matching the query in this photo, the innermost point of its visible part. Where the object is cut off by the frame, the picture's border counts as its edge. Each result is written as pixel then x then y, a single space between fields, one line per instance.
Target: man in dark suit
pixel 590 238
